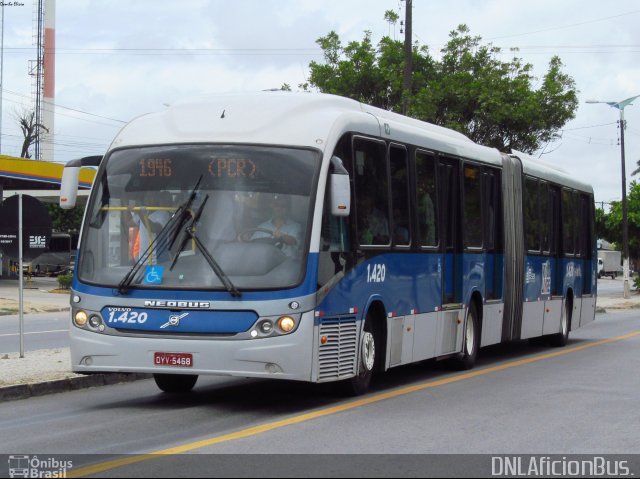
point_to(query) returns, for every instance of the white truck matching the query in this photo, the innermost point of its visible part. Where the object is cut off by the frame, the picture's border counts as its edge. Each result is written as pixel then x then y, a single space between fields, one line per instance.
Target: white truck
pixel 609 263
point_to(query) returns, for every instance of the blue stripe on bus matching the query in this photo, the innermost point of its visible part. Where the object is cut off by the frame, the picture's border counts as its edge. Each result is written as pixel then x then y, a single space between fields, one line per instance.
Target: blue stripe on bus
pixel 194 322
pixel 409 283
pixel 546 276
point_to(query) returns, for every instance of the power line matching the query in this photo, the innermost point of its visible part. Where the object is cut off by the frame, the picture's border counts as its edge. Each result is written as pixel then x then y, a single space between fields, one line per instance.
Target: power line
pixel 57 105
pixel 562 27
pixel 179 51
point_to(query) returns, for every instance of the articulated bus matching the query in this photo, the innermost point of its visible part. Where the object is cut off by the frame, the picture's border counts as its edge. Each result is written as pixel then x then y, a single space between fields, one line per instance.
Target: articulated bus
pixel 314 238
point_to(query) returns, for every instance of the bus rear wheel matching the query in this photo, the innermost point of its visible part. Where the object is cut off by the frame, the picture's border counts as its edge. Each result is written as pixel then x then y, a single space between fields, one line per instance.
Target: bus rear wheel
pixel 562 338
pixel 175 383
pixel 471 341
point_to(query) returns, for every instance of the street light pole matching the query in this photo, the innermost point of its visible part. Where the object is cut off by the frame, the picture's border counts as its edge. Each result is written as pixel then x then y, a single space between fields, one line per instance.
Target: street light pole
pixel 625 222
pixel 625 218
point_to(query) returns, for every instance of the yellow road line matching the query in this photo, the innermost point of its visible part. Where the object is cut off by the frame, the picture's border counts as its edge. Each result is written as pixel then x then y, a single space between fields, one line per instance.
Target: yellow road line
pixel 253 431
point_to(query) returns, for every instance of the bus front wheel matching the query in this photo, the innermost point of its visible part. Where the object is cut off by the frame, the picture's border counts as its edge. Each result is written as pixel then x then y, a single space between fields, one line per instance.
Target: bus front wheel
pixel 175 383
pixel 367 360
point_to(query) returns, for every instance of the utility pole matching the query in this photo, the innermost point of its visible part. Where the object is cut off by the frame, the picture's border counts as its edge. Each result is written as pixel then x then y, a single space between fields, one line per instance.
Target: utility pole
pixel 625 216
pixel 408 57
pixel 621 105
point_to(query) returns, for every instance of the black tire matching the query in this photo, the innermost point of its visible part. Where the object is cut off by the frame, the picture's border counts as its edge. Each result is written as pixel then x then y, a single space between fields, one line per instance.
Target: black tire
pixel 176 383
pixel 368 359
pixel 471 341
pixel 561 339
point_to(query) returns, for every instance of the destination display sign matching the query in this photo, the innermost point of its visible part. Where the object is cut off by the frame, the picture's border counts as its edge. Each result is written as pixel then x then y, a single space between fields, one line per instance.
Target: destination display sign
pixel 217 168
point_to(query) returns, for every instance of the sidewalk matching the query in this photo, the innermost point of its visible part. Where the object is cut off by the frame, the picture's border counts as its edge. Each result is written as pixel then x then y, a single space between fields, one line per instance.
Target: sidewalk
pixel 49 371
pixel 41 295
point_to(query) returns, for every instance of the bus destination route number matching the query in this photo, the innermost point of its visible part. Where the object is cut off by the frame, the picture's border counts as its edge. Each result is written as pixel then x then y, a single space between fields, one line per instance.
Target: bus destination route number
pixel 155 167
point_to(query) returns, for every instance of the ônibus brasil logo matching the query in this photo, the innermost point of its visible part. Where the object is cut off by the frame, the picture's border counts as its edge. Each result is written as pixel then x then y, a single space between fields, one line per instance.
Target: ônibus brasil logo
pixel 28 466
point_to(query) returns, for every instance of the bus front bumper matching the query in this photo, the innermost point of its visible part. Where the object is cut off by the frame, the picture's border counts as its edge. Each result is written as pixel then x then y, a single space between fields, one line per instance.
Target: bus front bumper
pixel 280 357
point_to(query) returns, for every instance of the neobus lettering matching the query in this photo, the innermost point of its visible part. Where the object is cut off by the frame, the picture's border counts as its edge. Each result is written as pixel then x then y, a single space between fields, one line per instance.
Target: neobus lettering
pixel 178 304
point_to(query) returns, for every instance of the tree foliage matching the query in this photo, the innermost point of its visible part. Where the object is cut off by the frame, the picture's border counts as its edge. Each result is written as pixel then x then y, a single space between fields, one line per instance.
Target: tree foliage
pixel 65 221
pixel 469 88
pixel 609 226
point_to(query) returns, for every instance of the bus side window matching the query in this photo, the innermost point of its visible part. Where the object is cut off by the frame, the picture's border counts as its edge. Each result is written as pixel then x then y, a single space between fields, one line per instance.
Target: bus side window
pixel 568 222
pixel 427 199
pixel 472 207
pixel 532 214
pixel 399 195
pixel 371 192
pixel 545 223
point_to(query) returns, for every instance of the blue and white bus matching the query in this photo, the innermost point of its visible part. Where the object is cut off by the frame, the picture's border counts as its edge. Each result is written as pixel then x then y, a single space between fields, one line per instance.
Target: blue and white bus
pixel 314 238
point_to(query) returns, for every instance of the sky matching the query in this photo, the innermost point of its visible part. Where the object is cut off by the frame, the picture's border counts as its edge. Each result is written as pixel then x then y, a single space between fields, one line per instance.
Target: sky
pixel 118 59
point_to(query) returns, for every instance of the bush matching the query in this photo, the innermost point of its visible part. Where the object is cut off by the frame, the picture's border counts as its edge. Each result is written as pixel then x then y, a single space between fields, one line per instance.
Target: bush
pixel 636 282
pixel 64 280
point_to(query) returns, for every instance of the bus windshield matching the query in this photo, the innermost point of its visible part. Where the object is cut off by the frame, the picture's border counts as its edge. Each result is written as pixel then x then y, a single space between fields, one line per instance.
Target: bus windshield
pixel 159 214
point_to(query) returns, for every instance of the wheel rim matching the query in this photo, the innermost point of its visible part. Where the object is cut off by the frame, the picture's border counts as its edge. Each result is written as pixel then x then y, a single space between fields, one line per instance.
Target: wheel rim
pixel 368 351
pixel 564 325
pixel 470 334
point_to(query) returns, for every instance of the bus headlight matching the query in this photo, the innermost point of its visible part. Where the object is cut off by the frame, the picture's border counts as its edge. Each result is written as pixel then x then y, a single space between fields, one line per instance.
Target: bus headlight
pixel 286 324
pixel 80 318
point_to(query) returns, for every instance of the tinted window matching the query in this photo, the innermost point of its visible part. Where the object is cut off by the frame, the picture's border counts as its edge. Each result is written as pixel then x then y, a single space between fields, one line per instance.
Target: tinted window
pixel 532 214
pixel 399 195
pixel 472 207
pixel 372 192
pixel 427 207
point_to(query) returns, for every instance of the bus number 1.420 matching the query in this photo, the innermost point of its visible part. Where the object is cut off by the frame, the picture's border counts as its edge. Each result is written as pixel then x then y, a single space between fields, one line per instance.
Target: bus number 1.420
pixel 376 273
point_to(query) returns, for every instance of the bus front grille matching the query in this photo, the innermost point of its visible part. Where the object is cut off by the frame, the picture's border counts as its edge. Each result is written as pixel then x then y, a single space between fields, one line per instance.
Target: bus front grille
pixel 337 357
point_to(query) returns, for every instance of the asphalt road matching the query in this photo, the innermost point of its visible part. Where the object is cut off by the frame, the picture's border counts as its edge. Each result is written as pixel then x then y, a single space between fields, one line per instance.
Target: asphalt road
pixel 42 331
pixel 519 399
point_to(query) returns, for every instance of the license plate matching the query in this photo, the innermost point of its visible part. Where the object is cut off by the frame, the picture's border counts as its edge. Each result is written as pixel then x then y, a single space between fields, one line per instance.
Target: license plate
pixel 181 360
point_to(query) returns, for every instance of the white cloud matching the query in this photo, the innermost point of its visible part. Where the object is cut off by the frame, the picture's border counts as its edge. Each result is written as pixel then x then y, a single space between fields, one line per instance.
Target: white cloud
pixel 262 44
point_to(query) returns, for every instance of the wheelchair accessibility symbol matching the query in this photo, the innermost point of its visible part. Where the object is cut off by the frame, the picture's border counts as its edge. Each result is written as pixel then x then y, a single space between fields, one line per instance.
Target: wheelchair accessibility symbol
pixel 153 274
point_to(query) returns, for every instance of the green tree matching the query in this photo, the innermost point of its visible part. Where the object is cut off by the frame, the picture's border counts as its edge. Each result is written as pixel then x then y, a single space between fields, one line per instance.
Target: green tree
pixel 65 221
pixel 602 230
pixel 468 89
pixel 613 221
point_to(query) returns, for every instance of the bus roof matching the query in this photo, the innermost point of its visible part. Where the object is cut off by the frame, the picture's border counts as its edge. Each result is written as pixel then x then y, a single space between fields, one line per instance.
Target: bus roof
pixel 550 172
pixel 306 120
pixel 287 118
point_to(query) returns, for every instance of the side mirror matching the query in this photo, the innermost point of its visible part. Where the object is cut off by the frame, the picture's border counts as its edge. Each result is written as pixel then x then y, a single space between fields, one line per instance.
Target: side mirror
pixel 71 180
pixel 69 187
pixel 339 189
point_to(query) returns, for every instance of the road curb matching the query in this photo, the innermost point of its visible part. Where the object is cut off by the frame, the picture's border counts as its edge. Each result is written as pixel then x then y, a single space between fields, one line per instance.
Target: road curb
pixel 25 391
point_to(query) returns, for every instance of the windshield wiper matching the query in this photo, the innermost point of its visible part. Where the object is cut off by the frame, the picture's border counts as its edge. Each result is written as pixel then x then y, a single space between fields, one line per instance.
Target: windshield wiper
pixel 164 239
pixel 190 233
